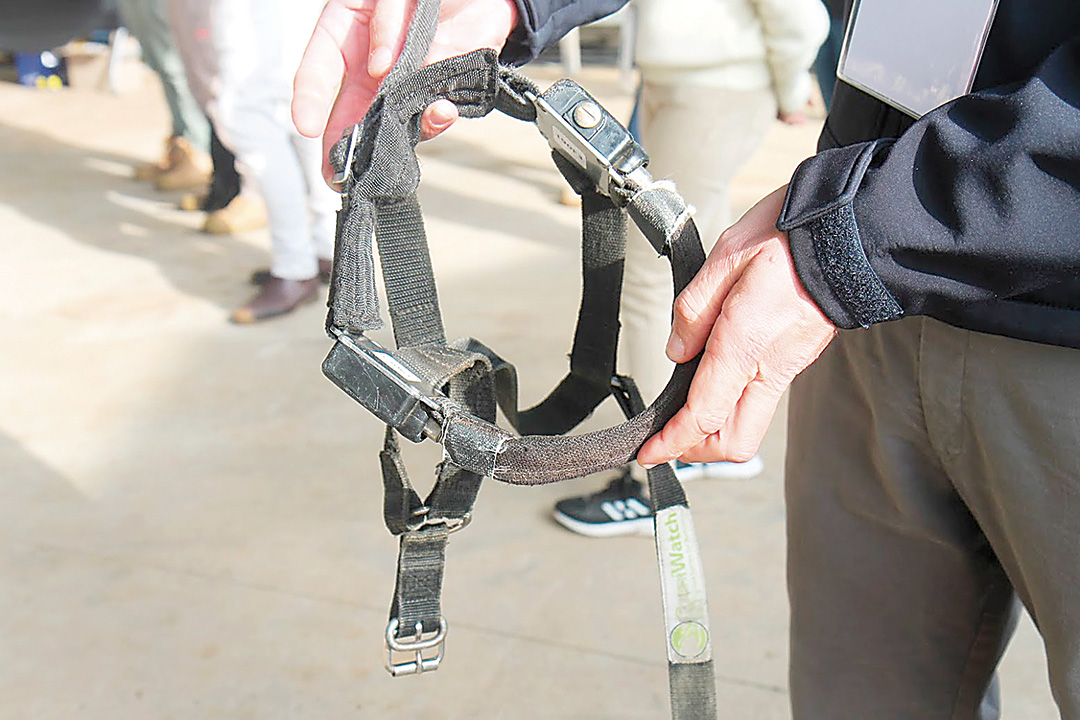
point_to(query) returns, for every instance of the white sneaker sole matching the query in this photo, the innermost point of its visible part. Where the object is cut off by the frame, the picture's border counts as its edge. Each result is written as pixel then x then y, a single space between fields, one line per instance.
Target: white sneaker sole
pixel 722 471
pixel 638 526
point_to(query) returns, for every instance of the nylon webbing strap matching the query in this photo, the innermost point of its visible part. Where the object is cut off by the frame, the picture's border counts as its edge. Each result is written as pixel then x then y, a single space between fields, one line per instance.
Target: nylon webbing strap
pixel 682 583
pixel 377 164
pixel 596 337
pixel 407 273
pixel 426 388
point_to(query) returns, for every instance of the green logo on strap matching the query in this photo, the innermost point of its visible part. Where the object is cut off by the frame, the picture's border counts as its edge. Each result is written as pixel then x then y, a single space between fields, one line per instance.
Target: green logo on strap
pixel 689 639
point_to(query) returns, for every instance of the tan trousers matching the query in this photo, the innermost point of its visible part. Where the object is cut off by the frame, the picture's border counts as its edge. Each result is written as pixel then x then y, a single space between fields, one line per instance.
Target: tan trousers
pixel 699 138
pixel 933 484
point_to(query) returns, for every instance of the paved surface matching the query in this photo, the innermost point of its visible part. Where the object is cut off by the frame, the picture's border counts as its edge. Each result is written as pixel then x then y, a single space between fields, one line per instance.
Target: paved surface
pixel 190 514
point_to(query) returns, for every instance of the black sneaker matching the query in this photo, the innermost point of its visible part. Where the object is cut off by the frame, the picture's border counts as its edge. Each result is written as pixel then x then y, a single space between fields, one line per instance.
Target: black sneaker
pixel 619 509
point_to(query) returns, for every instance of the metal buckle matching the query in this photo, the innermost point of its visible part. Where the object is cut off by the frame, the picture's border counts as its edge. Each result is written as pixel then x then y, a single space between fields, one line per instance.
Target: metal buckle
pixel 581 130
pixel 415 646
pixel 346 172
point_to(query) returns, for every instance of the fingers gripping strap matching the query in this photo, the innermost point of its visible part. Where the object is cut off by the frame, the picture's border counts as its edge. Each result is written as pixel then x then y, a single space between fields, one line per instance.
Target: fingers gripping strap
pixel 422 27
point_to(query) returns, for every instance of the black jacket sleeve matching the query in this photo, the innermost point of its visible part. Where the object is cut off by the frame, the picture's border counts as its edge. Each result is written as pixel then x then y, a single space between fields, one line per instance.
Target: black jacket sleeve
pixel 977 202
pixel 543 22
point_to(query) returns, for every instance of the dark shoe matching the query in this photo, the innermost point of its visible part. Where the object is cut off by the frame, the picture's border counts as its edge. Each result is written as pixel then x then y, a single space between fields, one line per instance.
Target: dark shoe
pixel 262 276
pixel 277 297
pixel 619 509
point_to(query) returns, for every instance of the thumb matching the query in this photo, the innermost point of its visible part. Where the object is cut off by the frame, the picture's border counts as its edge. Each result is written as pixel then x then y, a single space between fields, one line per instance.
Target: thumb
pixel 439 116
pixel 698 306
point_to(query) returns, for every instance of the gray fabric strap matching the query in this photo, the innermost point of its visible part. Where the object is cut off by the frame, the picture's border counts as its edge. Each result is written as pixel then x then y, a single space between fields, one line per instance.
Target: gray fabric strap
pixel 421 558
pixel 407 273
pixel 693 691
pixel 422 27
pixel 682 584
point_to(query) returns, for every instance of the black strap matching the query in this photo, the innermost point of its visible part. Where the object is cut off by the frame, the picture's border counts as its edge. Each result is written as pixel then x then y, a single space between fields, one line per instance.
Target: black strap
pixel 596 337
pixel 691 680
pixel 424 528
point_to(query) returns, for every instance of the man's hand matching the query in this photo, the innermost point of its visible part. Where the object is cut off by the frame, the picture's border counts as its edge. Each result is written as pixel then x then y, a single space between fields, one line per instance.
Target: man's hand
pixel 356 43
pixel 759 328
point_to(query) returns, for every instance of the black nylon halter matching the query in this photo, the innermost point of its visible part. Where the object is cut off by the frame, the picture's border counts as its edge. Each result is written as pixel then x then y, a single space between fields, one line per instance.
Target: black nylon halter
pixel 428 387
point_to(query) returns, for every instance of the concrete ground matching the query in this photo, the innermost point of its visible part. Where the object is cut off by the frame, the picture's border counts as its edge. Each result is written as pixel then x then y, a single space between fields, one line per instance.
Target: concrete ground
pixel 190 514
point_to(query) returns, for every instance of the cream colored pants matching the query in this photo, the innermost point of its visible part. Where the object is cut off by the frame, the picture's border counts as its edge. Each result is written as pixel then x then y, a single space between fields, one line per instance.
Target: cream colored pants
pixel 699 138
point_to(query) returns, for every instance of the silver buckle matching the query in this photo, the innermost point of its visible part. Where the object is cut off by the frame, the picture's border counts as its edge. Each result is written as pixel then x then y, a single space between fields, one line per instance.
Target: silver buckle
pixel 416 645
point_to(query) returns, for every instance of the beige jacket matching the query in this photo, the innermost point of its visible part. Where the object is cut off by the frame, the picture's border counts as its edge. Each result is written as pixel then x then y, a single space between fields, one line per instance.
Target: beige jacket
pixel 735 44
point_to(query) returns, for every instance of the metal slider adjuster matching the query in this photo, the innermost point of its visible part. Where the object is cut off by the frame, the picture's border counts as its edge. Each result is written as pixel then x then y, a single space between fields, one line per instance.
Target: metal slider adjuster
pixel 414 645
pixel 342 175
pixel 582 131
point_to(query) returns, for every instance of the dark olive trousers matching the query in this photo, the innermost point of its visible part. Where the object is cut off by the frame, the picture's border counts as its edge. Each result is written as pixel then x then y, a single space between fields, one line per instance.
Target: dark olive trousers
pixel 933 485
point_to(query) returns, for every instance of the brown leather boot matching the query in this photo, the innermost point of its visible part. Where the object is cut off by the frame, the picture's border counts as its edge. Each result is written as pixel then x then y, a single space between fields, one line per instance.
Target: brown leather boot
pixel 150 171
pixel 244 212
pixel 189 169
pixel 277 297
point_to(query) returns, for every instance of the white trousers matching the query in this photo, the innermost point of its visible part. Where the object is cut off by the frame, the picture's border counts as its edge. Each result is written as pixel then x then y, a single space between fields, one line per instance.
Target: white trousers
pixel 699 138
pixel 259 44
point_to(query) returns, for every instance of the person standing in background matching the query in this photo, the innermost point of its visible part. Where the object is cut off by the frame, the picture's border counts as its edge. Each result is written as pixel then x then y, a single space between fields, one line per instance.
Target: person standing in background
pixel 257 47
pixel 829 55
pixel 231 203
pixel 185 164
pixel 714 76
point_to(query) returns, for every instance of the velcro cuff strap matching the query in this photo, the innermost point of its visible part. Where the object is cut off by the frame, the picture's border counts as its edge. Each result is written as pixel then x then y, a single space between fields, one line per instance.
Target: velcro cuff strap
pixel 829 256
pixel 831 261
pixel 826 181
